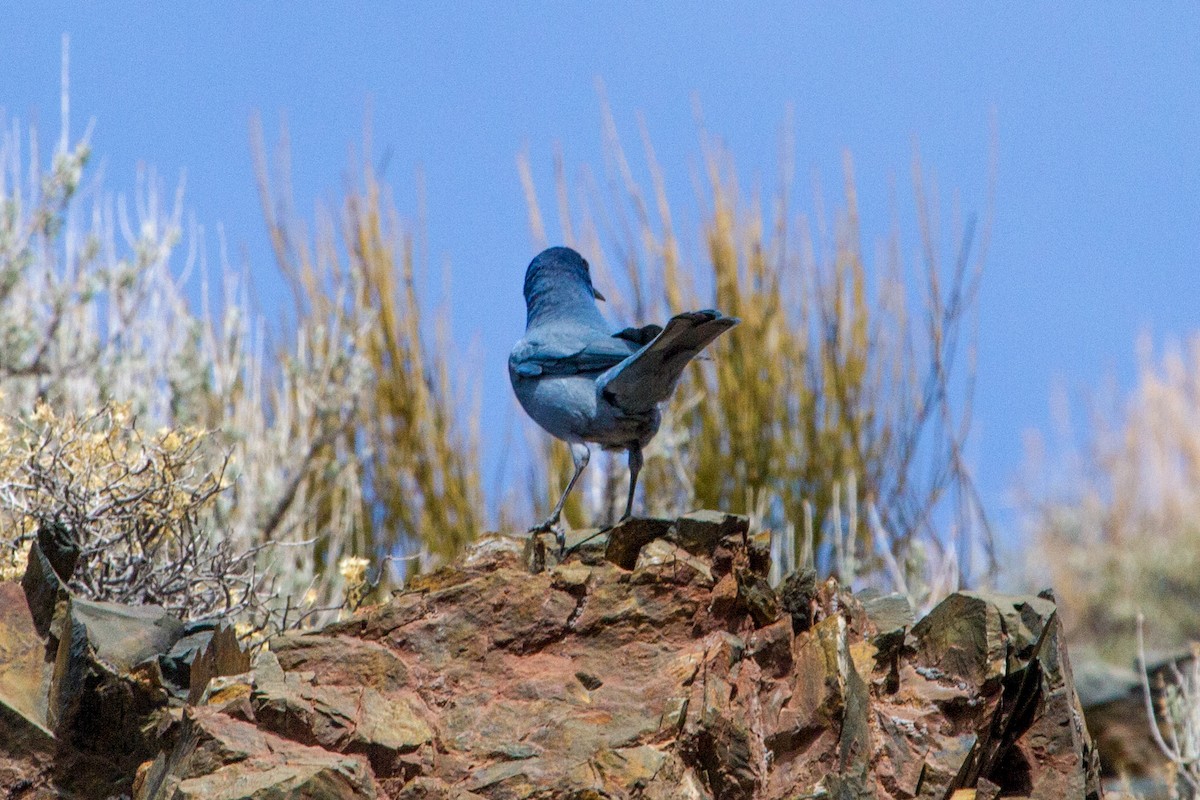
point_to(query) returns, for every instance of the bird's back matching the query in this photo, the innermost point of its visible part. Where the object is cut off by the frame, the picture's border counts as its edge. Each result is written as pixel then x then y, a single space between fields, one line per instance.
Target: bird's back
pixel 553 370
pixel 580 381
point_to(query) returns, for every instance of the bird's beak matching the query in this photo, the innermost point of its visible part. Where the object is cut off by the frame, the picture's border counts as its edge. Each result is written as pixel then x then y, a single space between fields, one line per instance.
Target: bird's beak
pixel 596 294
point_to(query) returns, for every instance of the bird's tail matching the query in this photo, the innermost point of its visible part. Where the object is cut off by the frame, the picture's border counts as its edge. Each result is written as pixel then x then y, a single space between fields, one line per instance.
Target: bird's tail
pixel 648 377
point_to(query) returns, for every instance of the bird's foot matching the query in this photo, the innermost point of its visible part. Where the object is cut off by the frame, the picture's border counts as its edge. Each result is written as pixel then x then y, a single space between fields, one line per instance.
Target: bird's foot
pixel 551 526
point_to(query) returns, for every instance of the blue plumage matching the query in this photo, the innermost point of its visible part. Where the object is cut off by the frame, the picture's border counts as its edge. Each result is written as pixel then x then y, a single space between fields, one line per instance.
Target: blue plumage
pixel 582 383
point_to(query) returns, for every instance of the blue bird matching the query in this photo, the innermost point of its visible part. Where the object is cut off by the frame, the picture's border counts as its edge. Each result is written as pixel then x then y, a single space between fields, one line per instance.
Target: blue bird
pixel 581 382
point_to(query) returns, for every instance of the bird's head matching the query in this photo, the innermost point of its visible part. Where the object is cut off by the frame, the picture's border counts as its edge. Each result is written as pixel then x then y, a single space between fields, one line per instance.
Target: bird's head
pixel 561 273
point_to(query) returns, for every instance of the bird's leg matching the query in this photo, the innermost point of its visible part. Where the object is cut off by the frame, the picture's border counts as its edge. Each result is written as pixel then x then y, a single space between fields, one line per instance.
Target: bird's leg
pixel 635 466
pixel 580 455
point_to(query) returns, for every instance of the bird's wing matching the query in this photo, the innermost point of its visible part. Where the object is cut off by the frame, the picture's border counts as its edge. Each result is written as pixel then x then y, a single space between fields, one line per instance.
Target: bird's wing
pixel 647 377
pixel 554 356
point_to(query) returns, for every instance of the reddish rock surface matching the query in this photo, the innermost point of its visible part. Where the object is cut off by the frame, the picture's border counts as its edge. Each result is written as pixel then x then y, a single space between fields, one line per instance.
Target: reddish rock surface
pixel 676 672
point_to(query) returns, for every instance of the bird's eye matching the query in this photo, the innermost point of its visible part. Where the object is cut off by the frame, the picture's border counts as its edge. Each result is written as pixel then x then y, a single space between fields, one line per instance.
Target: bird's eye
pixel 586 265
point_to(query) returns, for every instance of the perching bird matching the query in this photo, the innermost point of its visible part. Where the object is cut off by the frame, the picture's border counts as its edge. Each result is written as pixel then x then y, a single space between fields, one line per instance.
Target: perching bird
pixel 581 382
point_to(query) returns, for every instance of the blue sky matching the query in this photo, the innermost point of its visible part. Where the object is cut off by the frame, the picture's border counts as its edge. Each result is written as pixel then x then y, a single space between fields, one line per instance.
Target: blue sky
pixel 1096 232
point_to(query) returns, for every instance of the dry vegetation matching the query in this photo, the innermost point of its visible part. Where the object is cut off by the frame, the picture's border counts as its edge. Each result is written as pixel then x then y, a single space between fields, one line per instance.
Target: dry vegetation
pixel 1115 515
pixel 301 458
pixel 333 436
pixel 419 469
pixel 131 503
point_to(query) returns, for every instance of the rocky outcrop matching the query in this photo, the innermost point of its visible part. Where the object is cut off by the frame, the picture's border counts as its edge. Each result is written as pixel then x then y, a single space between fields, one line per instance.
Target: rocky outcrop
pixel 85 686
pixel 654 661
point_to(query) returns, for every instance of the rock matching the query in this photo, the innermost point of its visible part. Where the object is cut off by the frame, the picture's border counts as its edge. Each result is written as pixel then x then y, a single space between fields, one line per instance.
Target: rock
pixel 572 577
pixel 1035 742
pixel 341 660
pixel 670 670
pixel 890 616
pixel 344 718
pixel 25 672
pixel 888 613
pixel 219 758
pixel 107 688
pixel 616 770
pixel 626 539
pixel 662 560
pixel 493 550
pixel 771 648
pixel 207 649
pixel 757 598
pixel 699 531
pixel 123 636
pixel 963 637
pixel 60 547
pixel 433 789
pixel 758 550
pixel 84 694
pixel 656 553
pixel 27 746
pixel 43 587
pixel 587 545
pixel 797 593
pixel 629 679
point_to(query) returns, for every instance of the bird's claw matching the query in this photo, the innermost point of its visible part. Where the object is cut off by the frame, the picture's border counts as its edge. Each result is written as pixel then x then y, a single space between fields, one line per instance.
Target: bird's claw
pixel 560 536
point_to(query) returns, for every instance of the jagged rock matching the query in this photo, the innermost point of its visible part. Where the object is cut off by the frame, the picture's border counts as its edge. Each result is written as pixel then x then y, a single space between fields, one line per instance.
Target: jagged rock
pixel 61 547
pixel 661 559
pixel 26 743
pixel 626 540
pixel 24 670
pixel 346 718
pixel 43 586
pixel 107 687
pixel 669 669
pixel 83 690
pixel 699 531
pixel 220 758
pixel 964 638
pixel 757 598
pixel 797 591
pixel 670 674
pixel 208 649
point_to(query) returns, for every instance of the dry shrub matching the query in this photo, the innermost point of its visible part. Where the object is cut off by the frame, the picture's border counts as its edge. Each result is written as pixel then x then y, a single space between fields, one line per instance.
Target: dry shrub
pixel 831 395
pixel 333 432
pixel 1172 703
pixel 419 470
pixel 131 503
pixel 1114 516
